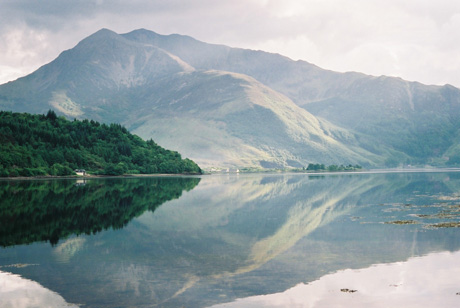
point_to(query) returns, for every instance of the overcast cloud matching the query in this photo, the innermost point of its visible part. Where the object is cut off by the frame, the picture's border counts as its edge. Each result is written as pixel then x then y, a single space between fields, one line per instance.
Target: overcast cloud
pixel 413 39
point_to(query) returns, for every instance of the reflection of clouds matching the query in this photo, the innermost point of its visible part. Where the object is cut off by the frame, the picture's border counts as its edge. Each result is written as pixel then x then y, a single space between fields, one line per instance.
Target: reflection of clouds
pixel 429 281
pixel 18 292
pixel 67 249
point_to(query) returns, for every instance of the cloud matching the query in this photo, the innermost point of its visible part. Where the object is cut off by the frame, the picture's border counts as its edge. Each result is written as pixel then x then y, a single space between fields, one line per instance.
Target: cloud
pixel 413 39
pixel 416 40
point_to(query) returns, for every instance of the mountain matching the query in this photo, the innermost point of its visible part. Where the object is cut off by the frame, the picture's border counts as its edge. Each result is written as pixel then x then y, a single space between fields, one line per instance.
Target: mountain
pixel 407 122
pixel 231 107
pixel 217 118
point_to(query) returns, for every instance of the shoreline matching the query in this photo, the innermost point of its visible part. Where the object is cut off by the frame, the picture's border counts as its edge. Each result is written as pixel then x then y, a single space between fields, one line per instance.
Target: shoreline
pixel 86 177
pixel 364 171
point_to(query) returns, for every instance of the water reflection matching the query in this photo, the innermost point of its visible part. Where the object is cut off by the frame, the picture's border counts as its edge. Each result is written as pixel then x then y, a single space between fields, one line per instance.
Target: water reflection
pixel 238 236
pixel 428 281
pixel 18 292
pixel 33 211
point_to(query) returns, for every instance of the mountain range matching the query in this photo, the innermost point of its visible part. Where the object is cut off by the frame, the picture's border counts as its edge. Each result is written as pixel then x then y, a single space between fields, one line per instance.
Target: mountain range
pixel 228 107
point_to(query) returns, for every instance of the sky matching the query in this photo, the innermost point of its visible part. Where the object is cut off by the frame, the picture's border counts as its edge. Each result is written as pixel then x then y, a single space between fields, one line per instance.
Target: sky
pixel 417 40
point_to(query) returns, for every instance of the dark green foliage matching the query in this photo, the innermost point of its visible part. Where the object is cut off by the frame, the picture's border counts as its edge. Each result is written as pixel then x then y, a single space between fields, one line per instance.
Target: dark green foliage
pixel 33 211
pixel 332 168
pixel 37 145
pixel 316 167
pixel 51 115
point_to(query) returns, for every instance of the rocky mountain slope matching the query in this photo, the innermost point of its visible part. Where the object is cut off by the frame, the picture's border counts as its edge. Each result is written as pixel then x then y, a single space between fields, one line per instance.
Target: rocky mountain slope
pixel 230 107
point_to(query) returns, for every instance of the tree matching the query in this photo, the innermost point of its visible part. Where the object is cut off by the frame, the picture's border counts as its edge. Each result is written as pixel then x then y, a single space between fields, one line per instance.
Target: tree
pixel 51 115
pixel 33 143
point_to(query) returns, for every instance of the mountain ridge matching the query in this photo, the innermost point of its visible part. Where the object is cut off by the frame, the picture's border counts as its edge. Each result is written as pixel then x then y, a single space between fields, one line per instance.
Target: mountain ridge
pixel 202 98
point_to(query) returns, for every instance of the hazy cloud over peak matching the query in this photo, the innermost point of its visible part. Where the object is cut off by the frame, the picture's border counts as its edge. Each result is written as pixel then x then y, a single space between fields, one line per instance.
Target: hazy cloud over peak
pixel 413 39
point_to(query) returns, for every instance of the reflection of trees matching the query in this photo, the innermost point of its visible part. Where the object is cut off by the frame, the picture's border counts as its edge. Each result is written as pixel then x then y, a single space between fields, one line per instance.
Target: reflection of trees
pixel 52 210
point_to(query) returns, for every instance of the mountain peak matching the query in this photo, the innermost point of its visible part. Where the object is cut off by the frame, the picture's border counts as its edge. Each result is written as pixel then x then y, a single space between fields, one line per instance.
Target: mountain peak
pixel 141 31
pixel 145 36
pixel 102 33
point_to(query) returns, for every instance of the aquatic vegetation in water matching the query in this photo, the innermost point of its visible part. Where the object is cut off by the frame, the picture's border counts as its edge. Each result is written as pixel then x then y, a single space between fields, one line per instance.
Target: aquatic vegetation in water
pixel 444 208
pixel 402 222
pixel 451 224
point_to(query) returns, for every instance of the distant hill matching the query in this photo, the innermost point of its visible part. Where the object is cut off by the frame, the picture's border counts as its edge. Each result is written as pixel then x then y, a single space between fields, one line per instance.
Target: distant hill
pixel 231 107
pixel 37 145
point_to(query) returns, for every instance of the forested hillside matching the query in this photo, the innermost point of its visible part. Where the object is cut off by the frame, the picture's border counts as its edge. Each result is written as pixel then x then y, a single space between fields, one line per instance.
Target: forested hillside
pixel 36 145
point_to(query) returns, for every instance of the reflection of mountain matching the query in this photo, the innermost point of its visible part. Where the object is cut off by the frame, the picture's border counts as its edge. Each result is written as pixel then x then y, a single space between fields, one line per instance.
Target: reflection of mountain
pixel 31 211
pixel 261 217
pixel 230 229
pixel 306 216
pixel 225 228
pixel 242 235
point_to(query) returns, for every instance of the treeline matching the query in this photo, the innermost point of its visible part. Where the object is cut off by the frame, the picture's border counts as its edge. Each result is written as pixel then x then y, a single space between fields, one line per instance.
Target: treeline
pixel 322 167
pixel 37 145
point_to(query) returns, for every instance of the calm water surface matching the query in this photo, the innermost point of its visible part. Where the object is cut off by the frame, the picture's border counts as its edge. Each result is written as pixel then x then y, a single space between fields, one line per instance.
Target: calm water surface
pixel 249 240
